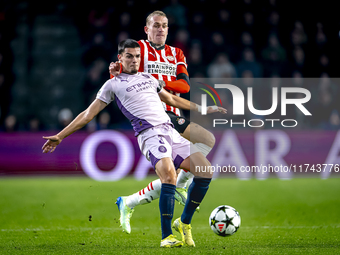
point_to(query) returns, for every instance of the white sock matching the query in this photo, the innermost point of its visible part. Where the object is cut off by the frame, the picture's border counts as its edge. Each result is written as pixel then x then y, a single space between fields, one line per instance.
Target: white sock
pixel 182 178
pixel 146 195
pixel 205 149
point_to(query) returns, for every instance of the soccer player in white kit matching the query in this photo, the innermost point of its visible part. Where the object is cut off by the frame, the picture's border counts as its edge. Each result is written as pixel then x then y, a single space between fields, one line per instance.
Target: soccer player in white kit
pixel 168 64
pixel 139 96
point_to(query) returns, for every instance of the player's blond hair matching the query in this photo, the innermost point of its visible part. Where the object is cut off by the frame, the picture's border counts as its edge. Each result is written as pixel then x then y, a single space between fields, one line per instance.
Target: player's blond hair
pixel 155 13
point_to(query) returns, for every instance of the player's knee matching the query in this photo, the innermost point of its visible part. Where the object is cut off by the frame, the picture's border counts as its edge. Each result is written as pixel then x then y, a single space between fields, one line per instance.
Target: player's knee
pixel 211 140
pixel 208 139
pixel 206 174
pixel 169 179
pixel 169 176
pixel 200 166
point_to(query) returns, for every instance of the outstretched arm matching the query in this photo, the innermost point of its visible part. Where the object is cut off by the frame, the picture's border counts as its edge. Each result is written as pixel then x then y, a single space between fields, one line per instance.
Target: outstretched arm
pixel 184 104
pixel 80 121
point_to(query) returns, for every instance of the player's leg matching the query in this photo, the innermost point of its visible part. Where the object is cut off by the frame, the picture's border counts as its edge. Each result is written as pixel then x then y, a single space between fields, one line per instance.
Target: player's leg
pixel 196 193
pixel 158 150
pixel 126 204
pixel 181 124
pixel 203 139
pixel 199 185
pixel 187 156
pixel 146 195
pixel 153 190
pixel 167 174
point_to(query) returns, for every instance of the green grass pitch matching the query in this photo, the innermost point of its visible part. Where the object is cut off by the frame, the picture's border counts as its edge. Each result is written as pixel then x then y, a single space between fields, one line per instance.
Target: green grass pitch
pixel 78 216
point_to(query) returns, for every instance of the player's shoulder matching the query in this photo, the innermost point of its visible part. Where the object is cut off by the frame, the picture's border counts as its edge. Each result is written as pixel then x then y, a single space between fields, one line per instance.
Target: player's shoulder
pixel 175 52
pixel 143 46
pixel 120 78
pixel 110 84
pixel 143 43
pixel 114 80
pixel 169 47
pixel 146 42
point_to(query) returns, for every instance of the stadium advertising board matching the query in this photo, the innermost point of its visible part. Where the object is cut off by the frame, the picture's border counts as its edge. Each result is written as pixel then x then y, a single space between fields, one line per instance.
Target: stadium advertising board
pixel 109 155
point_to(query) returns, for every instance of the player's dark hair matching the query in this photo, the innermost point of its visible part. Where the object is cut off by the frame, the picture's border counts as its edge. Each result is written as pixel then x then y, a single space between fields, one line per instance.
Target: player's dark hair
pixel 128 43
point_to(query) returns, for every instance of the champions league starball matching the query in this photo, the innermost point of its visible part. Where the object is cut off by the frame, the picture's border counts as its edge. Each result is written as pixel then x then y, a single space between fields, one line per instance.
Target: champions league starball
pixel 224 220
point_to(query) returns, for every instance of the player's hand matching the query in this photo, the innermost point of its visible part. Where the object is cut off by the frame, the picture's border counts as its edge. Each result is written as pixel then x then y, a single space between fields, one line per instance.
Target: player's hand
pixel 51 143
pixel 212 109
pixel 161 83
pixel 114 68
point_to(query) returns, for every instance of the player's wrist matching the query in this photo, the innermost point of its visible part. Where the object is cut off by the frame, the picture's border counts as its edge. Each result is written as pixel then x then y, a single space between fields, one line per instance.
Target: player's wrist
pixel 120 68
pixel 60 136
pixel 199 108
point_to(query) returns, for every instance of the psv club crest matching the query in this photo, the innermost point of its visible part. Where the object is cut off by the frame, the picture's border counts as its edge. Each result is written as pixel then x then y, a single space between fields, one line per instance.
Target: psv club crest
pixel 170 58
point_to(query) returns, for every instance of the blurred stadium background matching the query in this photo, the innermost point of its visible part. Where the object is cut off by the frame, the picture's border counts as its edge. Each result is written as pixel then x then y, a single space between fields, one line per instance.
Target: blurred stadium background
pixel 54 57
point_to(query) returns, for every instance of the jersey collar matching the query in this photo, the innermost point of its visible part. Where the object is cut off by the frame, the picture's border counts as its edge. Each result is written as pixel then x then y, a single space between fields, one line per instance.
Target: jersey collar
pixel 157 48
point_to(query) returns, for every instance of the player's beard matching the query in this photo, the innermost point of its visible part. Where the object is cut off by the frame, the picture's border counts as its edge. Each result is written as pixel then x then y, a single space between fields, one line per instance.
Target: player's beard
pixel 134 71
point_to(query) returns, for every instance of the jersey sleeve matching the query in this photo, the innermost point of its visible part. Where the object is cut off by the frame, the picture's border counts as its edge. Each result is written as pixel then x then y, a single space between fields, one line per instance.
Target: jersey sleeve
pixel 178 86
pixel 182 84
pixel 106 92
pixel 181 60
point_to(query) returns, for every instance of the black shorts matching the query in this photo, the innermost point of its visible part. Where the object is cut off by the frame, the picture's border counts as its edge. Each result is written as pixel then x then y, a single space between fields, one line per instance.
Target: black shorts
pixel 180 123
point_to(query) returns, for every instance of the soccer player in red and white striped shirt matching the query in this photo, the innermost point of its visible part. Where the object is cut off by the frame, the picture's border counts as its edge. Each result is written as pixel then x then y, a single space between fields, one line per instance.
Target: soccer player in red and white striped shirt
pixel 168 64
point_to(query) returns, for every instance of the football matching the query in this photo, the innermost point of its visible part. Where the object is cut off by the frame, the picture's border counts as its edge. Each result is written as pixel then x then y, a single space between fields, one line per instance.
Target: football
pixel 224 220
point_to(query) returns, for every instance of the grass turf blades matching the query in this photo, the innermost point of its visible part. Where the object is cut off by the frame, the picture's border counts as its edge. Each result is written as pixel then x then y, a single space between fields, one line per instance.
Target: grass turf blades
pixel 78 216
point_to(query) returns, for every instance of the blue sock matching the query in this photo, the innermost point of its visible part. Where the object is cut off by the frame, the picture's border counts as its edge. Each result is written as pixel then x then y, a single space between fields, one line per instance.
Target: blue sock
pixel 196 193
pixel 166 208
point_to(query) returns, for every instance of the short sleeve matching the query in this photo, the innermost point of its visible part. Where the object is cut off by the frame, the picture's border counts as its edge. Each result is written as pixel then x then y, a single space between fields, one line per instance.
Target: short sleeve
pixel 106 92
pixel 181 60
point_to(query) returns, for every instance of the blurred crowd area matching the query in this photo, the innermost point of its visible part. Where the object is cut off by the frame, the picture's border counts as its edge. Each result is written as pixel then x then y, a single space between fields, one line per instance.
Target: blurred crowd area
pixel 54 56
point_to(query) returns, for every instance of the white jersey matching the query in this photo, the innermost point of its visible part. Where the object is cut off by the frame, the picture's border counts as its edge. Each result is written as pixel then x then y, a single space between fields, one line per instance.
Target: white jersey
pixel 137 97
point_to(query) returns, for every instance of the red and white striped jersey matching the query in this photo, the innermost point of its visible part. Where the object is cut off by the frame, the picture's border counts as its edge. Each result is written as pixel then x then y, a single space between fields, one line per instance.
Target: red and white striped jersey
pixel 162 64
